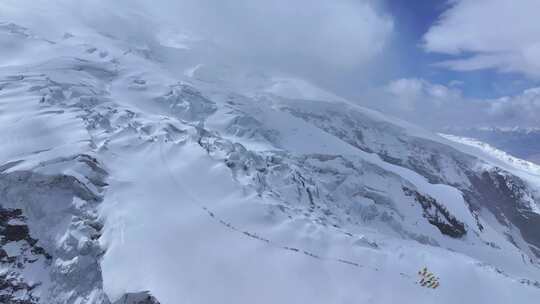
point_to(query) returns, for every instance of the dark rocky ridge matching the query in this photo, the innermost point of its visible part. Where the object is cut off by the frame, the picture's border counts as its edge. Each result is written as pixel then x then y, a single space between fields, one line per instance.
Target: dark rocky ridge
pixel 503 195
pixel 13 231
pixel 438 215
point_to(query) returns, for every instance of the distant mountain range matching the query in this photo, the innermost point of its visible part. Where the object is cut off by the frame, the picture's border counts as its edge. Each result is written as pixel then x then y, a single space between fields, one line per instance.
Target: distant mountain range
pixel 520 142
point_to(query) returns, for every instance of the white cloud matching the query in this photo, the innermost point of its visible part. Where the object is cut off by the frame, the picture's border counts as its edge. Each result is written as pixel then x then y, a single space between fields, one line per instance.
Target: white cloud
pixel 438 106
pixel 523 108
pixel 335 33
pixel 410 94
pixel 339 32
pixel 481 34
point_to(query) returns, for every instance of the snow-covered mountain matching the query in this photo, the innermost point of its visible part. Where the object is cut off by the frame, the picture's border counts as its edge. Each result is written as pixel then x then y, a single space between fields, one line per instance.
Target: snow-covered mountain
pixel 137 173
pixel 520 142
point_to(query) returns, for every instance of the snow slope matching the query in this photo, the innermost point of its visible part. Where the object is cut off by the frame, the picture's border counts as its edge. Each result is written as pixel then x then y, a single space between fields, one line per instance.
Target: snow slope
pixel 133 167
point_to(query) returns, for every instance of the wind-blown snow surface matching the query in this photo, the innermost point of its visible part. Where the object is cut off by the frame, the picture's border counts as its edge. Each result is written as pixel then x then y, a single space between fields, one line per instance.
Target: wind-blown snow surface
pixel 123 172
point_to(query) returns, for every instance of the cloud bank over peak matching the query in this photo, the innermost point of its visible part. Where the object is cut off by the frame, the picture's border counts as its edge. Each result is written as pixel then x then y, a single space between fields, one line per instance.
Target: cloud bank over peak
pixel 523 108
pixel 413 93
pixel 339 33
pixel 440 106
pixel 484 34
pixel 344 46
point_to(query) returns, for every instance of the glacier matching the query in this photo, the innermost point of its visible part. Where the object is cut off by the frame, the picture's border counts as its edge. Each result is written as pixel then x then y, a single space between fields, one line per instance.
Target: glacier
pixel 139 173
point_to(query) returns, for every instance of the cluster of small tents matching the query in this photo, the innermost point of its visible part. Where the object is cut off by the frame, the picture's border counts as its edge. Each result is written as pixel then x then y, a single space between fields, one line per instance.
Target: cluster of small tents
pixel 427 279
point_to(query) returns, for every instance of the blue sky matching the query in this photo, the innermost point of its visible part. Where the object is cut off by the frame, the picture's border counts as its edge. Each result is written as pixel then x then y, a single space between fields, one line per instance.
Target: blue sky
pixel 412 20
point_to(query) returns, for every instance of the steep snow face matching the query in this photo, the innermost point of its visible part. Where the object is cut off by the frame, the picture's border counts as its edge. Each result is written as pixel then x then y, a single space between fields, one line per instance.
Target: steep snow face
pixel 49 242
pixel 515 178
pixel 133 173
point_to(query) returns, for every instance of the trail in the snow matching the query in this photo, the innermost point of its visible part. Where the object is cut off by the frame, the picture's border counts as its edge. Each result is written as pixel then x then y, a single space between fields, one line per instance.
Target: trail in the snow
pixel 252 235
pixel 274 245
